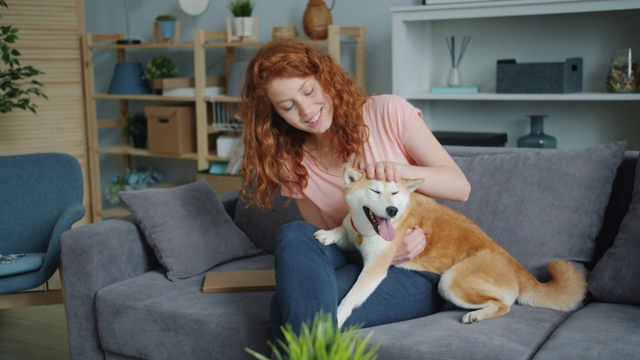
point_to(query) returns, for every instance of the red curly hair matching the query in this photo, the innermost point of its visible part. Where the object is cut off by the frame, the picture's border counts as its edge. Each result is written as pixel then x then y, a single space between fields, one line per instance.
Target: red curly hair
pixel 272 148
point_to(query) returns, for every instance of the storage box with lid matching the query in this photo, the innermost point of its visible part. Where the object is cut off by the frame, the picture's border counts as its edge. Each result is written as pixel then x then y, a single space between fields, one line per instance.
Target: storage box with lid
pixel 171 129
pixel 539 78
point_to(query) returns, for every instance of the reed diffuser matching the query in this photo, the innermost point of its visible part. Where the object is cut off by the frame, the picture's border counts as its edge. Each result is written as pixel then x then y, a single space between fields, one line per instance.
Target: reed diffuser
pixel 454 79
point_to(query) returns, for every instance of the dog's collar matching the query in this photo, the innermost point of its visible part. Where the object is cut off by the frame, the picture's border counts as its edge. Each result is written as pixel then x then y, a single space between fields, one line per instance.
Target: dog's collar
pixel 353 225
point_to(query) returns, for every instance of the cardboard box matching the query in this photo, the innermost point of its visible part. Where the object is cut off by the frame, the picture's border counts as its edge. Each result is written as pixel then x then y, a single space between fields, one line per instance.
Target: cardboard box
pixel 539 78
pixel 221 183
pixel 171 129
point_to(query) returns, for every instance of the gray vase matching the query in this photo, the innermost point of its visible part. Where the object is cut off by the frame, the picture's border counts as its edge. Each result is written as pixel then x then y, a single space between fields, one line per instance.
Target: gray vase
pixel 537 138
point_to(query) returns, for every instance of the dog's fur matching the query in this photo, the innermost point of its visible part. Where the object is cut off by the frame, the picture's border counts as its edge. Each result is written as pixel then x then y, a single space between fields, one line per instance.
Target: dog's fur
pixel 477 273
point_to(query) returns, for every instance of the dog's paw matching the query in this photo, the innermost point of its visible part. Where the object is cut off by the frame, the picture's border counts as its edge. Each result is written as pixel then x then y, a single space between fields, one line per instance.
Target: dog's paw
pixel 326 237
pixel 343 315
pixel 469 318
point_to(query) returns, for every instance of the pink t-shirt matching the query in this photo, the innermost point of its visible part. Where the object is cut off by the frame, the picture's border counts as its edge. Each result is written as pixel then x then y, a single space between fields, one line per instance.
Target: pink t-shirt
pixel 388 118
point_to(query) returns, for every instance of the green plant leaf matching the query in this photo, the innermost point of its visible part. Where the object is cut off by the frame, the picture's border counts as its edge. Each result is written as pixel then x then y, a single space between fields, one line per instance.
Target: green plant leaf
pixel 321 340
pixel 160 67
pixel 17 83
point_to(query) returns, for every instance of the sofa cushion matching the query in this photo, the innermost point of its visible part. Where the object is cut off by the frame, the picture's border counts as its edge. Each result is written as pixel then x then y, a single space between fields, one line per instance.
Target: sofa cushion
pixel 541 205
pixel 176 320
pixel 187 228
pixel 597 331
pixel 517 335
pixel 615 277
pixel 261 225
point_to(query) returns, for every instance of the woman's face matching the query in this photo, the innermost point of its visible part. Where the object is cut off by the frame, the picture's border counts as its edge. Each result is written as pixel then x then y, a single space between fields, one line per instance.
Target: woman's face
pixel 302 103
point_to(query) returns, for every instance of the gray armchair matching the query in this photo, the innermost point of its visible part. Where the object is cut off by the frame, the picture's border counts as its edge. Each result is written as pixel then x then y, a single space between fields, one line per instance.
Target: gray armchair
pixel 40 198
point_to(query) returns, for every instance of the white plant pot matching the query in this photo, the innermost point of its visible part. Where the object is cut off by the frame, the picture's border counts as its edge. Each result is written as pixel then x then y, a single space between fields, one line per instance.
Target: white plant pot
pixel 243 26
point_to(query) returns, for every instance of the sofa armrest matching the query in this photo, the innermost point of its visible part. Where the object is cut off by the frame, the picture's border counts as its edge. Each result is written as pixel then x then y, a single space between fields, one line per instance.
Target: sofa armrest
pixel 93 257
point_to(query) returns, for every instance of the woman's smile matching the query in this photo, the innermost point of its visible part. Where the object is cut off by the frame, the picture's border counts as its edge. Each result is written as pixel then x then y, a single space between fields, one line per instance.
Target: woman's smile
pixel 315 118
pixel 302 103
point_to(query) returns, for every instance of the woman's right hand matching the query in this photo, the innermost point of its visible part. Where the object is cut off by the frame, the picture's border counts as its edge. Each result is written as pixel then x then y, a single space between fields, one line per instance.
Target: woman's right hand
pixel 413 243
pixel 383 171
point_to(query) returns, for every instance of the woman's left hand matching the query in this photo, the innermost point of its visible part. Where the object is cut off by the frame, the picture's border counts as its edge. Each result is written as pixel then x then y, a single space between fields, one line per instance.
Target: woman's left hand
pixel 382 170
pixel 412 245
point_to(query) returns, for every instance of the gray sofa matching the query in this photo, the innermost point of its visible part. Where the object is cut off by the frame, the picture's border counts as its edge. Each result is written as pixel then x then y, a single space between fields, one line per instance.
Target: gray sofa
pixel 539 204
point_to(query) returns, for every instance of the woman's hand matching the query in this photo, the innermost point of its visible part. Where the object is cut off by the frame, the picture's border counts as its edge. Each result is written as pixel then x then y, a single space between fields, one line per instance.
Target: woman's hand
pixel 412 245
pixel 382 170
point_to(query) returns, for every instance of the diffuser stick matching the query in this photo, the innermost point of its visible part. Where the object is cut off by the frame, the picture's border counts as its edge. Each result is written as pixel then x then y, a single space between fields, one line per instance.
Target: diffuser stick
pixel 452 51
pixel 451 45
pixel 465 43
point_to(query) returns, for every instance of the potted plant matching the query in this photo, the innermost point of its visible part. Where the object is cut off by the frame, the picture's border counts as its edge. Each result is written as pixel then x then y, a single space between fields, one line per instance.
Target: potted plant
pixel 167 25
pixel 17 83
pixel 140 178
pixel 157 68
pixel 135 126
pixel 321 341
pixel 243 22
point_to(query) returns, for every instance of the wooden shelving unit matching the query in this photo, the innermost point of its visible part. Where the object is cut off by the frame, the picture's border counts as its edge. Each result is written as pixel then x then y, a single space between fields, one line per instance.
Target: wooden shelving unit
pixel 203 40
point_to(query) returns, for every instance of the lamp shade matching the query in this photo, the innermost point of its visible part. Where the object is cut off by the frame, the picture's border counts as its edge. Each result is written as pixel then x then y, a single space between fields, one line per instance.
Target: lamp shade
pixel 127 79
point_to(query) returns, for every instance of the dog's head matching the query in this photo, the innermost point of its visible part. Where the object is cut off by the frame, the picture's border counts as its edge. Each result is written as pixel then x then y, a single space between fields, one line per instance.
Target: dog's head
pixel 374 204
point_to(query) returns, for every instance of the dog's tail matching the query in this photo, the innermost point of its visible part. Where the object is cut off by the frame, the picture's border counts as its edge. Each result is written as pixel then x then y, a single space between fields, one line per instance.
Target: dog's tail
pixel 565 291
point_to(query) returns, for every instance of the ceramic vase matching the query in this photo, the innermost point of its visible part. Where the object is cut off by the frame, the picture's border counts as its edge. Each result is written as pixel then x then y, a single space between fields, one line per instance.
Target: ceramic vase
pixel 454 79
pixel 168 28
pixel 316 20
pixel 537 138
pixel 243 26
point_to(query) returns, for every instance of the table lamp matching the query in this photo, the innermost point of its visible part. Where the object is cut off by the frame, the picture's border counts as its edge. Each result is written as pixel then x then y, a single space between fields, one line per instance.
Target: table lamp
pixel 127 39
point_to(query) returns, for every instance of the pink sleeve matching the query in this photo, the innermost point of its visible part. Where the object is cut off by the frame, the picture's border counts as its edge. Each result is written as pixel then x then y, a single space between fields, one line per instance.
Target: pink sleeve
pixel 389 118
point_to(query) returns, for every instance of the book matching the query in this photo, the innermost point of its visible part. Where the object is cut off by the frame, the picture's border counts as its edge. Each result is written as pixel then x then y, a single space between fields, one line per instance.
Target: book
pixel 235 160
pixel 454 90
pixel 238 281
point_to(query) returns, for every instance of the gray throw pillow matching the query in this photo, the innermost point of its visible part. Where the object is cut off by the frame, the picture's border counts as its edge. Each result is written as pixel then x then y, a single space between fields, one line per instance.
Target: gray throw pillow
pixel 187 228
pixel 615 277
pixel 541 205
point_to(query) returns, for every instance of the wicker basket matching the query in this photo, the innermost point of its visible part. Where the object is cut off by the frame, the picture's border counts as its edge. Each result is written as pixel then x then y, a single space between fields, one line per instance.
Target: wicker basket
pixel 284 32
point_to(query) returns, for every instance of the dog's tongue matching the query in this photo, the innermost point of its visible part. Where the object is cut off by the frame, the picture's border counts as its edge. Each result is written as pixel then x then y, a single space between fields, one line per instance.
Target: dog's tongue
pixel 386 230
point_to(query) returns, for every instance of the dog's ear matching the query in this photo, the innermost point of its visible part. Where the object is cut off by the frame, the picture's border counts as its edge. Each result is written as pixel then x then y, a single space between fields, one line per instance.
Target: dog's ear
pixel 351 175
pixel 412 184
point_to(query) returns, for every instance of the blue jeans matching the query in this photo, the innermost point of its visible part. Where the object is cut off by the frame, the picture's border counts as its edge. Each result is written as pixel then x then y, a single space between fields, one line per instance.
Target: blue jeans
pixel 311 277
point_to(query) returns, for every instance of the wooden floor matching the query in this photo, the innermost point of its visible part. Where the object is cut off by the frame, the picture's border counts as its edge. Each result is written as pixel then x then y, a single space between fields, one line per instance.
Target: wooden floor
pixel 36 332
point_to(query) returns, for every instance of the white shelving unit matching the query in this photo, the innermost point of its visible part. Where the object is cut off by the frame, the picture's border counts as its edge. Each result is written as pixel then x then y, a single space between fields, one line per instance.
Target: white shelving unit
pixel 527 31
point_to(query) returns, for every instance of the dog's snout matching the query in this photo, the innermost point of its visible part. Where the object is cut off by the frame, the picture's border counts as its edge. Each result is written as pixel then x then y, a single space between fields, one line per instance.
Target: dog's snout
pixel 392 211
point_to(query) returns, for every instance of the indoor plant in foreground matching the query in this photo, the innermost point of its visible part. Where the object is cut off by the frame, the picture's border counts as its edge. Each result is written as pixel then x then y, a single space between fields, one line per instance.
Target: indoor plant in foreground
pixel 321 341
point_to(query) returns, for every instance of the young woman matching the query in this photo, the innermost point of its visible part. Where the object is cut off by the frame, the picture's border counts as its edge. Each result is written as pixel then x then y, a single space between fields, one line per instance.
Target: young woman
pixel 305 119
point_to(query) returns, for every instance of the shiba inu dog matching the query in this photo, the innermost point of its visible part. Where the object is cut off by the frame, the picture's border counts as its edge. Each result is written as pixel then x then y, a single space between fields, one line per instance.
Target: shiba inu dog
pixel 477 273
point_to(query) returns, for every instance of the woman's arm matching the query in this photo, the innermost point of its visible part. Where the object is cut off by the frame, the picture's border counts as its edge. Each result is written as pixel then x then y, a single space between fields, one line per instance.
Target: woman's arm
pixel 443 177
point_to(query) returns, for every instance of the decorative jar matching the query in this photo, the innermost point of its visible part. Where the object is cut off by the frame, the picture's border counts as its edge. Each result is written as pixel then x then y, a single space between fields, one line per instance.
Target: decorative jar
pixel 624 73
